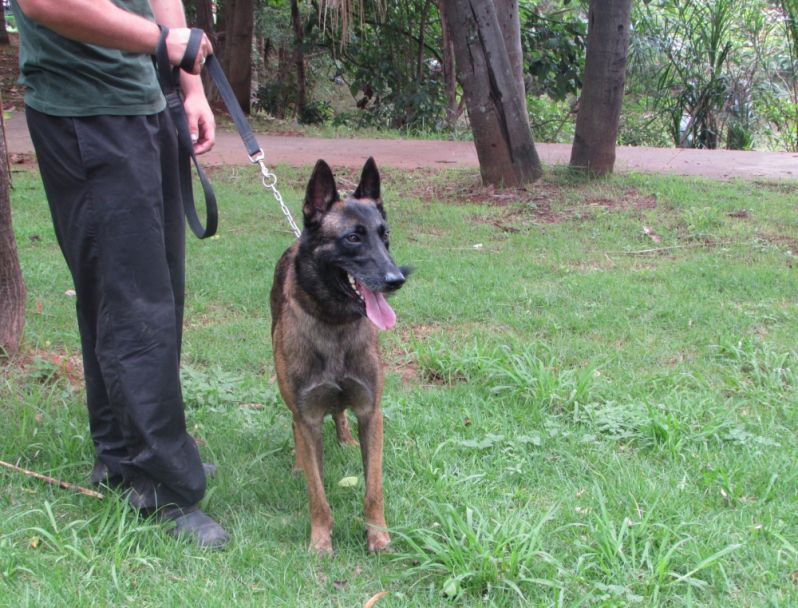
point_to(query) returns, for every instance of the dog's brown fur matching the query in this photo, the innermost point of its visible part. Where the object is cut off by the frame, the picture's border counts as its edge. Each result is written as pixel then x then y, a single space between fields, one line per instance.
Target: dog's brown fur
pixel 326 351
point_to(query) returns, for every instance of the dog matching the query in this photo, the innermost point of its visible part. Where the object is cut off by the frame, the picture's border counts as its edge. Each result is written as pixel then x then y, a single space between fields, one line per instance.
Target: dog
pixel 328 304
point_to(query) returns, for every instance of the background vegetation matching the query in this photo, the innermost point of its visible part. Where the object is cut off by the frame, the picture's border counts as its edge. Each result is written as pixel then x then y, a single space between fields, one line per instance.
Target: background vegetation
pixel 701 73
pixel 592 400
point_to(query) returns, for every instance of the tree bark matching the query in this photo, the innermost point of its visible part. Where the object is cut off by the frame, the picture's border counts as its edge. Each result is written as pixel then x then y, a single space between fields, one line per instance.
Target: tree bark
pixel 449 75
pixel 299 60
pixel 506 152
pixel 593 149
pixel 4 39
pixel 12 287
pixel 237 58
pixel 204 19
pixel 510 24
pixel 422 29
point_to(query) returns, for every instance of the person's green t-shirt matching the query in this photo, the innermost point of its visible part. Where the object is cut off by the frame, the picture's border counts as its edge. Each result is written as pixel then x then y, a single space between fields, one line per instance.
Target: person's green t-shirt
pixel 67 78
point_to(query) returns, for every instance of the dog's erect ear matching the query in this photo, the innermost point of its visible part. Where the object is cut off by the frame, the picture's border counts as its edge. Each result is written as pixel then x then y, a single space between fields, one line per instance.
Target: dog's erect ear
pixel 321 192
pixel 369 186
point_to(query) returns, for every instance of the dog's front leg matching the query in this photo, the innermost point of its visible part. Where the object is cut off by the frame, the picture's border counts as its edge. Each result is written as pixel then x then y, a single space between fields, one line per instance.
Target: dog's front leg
pixel 309 455
pixel 369 429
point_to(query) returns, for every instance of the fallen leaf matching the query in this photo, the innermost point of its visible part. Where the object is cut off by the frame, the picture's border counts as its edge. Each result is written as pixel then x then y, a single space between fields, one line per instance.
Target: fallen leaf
pixel 70 293
pixel 252 406
pixel 651 234
pixel 38 307
pixel 374 599
pixel 467 422
pixel 339 585
pixel 348 482
pixel 34 542
pixel 451 588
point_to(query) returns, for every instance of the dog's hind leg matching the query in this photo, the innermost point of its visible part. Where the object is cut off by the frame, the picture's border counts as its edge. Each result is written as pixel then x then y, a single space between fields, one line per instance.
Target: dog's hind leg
pixel 298 468
pixel 342 429
pixel 369 429
pixel 309 454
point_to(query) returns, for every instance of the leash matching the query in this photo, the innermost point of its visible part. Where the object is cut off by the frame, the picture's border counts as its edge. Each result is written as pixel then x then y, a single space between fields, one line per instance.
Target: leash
pixel 169 78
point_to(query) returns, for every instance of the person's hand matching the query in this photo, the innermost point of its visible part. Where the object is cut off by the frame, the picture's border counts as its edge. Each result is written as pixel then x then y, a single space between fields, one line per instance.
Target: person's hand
pixel 201 123
pixel 176 43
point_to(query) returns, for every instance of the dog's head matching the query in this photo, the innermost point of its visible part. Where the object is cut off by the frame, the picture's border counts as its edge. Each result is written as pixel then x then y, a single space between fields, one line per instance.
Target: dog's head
pixel 347 242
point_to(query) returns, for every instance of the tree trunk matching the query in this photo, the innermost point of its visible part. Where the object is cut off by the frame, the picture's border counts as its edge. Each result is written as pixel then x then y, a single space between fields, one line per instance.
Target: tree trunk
pixel 506 152
pixel 422 30
pixel 510 23
pixel 12 288
pixel 203 19
pixel 203 10
pixel 449 75
pixel 3 30
pixel 593 149
pixel 299 60
pixel 237 57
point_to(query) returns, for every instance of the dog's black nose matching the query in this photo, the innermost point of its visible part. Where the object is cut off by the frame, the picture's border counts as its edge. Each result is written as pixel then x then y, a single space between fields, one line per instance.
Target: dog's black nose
pixel 394 280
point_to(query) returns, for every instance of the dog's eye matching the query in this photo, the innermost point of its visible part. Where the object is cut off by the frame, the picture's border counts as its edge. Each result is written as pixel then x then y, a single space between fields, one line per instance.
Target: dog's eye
pixel 353 238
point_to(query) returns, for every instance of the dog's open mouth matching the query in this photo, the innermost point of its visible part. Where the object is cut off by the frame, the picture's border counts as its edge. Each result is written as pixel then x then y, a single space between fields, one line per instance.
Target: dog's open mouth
pixel 378 310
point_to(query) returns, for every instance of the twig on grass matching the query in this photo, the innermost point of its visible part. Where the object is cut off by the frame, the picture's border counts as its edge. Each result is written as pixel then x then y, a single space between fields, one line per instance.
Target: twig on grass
pixel 52 481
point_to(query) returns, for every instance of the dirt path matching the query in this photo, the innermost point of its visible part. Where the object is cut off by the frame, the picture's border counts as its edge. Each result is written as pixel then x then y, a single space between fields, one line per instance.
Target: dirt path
pixel 412 154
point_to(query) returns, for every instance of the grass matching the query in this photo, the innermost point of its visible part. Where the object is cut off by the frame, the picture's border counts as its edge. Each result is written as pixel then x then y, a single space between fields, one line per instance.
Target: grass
pixel 591 400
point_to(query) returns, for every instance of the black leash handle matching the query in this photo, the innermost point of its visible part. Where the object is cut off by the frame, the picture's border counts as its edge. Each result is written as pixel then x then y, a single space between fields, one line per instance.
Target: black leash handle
pixel 254 151
pixel 169 78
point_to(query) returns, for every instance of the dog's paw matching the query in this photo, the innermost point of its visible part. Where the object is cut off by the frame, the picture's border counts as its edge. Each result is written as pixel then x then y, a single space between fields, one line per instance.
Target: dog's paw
pixel 379 541
pixel 321 543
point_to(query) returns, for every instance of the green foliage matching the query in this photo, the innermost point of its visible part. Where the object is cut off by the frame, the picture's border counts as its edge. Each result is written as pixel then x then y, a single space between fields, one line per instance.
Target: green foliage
pixel 693 85
pixel 722 72
pixel 316 112
pixel 551 121
pixel 391 61
pixel 554 51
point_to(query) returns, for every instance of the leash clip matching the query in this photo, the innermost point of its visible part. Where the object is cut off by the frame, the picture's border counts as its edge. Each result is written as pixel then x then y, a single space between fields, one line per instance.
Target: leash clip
pixel 257 157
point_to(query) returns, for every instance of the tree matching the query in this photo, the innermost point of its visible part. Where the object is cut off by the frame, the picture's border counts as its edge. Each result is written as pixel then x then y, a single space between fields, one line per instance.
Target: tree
pixel 4 39
pixel 239 23
pixel 12 287
pixel 299 59
pixel 449 75
pixel 493 93
pixel 603 83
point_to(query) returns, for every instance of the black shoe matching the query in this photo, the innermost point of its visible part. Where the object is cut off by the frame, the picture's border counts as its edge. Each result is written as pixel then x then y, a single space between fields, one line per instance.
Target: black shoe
pixel 193 524
pixel 100 475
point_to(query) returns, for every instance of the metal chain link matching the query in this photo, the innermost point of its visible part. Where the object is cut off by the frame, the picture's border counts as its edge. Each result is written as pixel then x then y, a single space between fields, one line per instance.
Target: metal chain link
pixel 269 181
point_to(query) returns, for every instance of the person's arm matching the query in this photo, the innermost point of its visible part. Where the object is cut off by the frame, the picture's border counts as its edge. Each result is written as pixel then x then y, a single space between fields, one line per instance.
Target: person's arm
pixel 103 23
pixel 201 123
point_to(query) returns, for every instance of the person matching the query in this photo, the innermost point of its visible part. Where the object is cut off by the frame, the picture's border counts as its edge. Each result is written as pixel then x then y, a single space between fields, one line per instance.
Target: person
pixel 107 152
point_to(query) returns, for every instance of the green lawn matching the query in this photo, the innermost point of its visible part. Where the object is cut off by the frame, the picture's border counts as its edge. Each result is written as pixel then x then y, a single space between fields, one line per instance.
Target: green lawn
pixel 591 400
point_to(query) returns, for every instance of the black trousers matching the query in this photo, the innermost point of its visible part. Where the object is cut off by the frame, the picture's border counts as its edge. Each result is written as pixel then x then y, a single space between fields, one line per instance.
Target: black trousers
pixel 113 191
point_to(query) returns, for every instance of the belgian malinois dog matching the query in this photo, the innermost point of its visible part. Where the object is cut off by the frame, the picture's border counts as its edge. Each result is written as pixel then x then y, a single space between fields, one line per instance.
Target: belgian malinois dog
pixel 327 304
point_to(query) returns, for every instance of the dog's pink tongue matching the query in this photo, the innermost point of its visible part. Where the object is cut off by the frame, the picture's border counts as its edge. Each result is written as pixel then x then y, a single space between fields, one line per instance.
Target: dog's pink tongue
pixel 378 310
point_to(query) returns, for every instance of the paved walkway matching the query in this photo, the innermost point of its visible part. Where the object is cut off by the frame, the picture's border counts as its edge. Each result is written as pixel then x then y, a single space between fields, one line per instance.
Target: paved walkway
pixel 412 154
